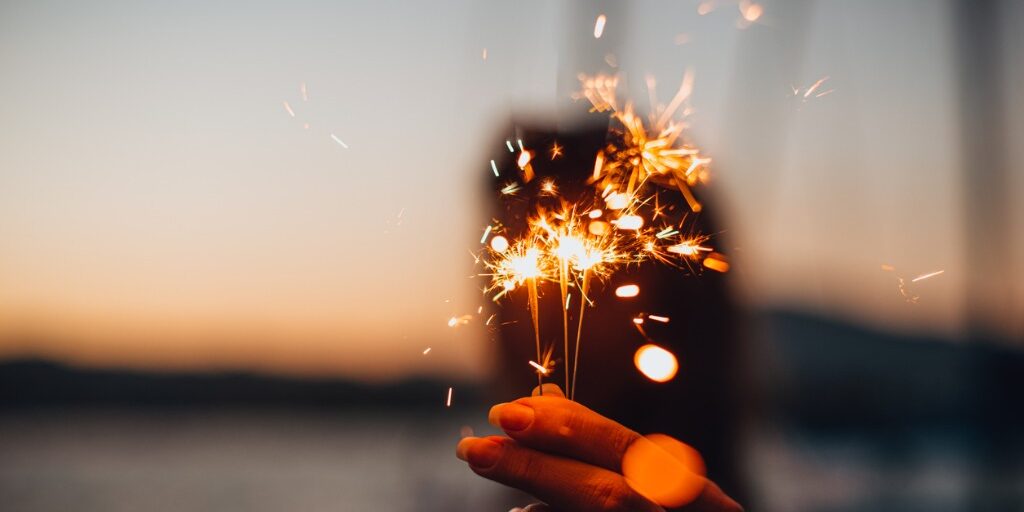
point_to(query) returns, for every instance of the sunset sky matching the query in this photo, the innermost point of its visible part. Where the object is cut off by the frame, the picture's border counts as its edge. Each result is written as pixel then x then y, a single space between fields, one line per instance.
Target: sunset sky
pixel 160 208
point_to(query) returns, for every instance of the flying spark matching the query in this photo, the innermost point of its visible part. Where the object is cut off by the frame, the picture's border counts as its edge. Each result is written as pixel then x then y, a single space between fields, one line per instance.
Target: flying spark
pixel 339 141
pixel 288 108
pixel 926 276
pixel 599 26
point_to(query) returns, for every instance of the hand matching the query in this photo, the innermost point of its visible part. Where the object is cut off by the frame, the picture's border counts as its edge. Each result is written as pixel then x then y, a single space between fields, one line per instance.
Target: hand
pixel 569 457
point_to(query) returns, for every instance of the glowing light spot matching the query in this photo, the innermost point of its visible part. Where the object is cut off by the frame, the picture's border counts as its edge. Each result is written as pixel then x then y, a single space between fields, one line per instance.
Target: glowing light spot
pixel 483 54
pixel 664 470
pixel 599 26
pixel 656 318
pixel 448 401
pixel 629 222
pixel 288 108
pixel 426 351
pixel 598 228
pixel 617 201
pixel 499 244
pixel 595 214
pixel 628 290
pixel 524 159
pixel 751 11
pixel 716 262
pixel 487 233
pixel 656 363
pixel 494 168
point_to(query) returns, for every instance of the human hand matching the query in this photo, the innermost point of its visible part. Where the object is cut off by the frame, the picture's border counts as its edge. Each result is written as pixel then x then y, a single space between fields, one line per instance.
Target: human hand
pixel 570 457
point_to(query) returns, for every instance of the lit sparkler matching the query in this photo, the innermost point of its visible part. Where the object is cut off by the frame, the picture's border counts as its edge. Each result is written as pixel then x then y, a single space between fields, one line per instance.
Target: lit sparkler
pixel 575 241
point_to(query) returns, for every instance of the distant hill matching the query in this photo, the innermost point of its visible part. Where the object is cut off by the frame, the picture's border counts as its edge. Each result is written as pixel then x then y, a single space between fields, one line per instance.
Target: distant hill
pixel 29 383
pixel 804 369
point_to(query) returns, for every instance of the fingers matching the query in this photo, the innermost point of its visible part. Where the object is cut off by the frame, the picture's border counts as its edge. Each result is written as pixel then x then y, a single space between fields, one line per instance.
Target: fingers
pixel 563 427
pixel 712 499
pixel 564 484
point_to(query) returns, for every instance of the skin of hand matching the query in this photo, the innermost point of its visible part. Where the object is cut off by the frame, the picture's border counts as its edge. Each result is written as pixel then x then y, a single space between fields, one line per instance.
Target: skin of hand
pixel 568 456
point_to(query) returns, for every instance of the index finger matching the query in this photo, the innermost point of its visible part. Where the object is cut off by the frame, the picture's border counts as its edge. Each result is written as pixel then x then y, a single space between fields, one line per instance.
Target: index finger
pixel 562 427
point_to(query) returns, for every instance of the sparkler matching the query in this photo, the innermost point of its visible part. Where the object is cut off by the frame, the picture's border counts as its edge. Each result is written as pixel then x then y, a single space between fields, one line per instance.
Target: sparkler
pixel 577 241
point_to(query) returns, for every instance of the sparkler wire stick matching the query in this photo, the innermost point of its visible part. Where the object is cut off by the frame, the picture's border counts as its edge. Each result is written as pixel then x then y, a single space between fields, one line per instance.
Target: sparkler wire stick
pixel 531 284
pixel 584 288
pixel 563 283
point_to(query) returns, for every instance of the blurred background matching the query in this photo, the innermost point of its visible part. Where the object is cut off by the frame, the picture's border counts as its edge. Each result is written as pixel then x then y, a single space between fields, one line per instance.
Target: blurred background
pixel 231 231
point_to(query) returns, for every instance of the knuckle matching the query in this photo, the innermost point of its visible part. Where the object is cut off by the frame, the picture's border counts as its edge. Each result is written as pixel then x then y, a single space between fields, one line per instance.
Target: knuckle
pixel 522 467
pixel 607 495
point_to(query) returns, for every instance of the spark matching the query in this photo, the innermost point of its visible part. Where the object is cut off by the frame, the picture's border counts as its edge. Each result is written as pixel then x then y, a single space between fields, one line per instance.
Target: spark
pixel 490 319
pixel 519 142
pixel 508 143
pixel 510 188
pixel 888 268
pixel 626 291
pixel 556 150
pixel 667 232
pixel 688 248
pixel 494 167
pixel 805 94
pixel 302 90
pixel 548 188
pixel 339 141
pixel 716 262
pixel 487 232
pixel 656 318
pixel 288 108
pixel 926 276
pixel 426 351
pixel 459 320
pixel 595 214
pixel 599 26
pixel 483 54
pixel 540 369
pixel 811 89
pixel 448 401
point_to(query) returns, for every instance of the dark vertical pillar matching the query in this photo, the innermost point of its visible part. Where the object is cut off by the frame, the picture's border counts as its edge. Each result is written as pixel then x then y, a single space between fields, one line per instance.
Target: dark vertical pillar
pixel 985 180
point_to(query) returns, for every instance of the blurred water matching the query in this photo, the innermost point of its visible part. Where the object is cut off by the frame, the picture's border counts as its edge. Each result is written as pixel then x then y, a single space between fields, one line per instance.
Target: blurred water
pixel 114 460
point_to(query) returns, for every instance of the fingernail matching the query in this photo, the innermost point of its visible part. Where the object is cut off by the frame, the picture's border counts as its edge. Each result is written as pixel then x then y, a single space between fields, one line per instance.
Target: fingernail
pixel 511 417
pixel 460 449
pixel 483 454
pixel 492 415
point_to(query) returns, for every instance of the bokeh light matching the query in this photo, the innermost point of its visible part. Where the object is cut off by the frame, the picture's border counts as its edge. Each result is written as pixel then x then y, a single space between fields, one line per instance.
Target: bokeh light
pixel 664 470
pixel 656 363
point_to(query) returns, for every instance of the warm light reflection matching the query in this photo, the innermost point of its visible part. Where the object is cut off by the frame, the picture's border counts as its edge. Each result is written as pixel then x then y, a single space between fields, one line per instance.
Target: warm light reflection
pixel 656 363
pixel 664 470
pixel 628 290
